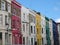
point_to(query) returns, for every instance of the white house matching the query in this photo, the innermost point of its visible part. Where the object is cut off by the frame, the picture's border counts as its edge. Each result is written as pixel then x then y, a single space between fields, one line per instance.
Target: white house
pixel 32 28
pixel 51 31
pixel 43 24
pixel 58 25
pixel 5 22
pixel 25 25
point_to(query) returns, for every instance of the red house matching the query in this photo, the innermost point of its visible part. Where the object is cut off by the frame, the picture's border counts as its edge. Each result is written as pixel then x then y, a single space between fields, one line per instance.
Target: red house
pixel 16 23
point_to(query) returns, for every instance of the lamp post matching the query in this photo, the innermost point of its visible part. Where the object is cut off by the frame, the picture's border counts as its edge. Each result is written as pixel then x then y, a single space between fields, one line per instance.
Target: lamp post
pixel 7 26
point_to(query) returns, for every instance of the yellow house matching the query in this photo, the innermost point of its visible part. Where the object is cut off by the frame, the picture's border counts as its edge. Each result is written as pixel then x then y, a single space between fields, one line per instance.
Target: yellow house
pixel 38 29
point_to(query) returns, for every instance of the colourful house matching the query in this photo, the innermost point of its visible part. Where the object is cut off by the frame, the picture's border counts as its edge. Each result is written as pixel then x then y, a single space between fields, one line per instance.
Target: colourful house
pixel 47 31
pixel 55 33
pixel 38 29
pixel 58 25
pixel 16 23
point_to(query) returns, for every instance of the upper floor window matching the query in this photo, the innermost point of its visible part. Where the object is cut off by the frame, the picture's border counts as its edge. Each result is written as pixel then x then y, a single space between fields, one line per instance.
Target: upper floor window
pixel 37 22
pixel 34 19
pixel 13 24
pixel 14 11
pixel 6 19
pixel 37 31
pixel 31 29
pixel 34 29
pixel 9 7
pixel 42 30
pixel 24 27
pixel 2 5
pixel 1 19
pixel 24 16
pixel 59 27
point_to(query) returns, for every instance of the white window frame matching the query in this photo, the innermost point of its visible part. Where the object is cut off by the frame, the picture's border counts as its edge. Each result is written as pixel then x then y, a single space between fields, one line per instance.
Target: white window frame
pixel 2 5
pixel 9 7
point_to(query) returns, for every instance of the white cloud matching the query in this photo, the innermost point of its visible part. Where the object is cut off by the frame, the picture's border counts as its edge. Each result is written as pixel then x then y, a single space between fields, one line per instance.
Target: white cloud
pixel 58 20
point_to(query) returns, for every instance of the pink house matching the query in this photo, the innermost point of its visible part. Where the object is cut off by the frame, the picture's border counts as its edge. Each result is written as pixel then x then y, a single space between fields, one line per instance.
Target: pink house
pixel 16 23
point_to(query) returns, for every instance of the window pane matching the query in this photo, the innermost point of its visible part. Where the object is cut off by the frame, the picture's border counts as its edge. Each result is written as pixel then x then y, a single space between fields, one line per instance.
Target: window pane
pixel 31 29
pixel 13 23
pixel 5 19
pixel 2 5
pixel 37 31
pixel 9 8
pixel 42 30
pixel 31 41
pixel 24 40
pixel 14 11
pixel 0 19
pixel 23 27
pixel 34 29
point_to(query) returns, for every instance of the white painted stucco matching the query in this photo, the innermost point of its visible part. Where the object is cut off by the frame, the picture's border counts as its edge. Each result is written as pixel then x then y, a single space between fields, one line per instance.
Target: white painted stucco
pixel 43 24
pixel 51 32
pixel 3 27
pixel 25 21
pixel 32 35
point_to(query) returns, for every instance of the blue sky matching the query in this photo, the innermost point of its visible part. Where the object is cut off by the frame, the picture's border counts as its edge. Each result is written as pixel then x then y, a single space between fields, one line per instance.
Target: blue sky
pixel 49 8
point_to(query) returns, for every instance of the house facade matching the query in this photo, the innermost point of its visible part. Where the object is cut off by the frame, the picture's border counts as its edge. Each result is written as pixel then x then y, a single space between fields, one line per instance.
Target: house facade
pixel 58 25
pixel 55 33
pixel 38 29
pixel 47 31
pixel 32 28
pixel 5 22
pixel 16 23
pixel 25 25
pixel 43 24
pixel 51 31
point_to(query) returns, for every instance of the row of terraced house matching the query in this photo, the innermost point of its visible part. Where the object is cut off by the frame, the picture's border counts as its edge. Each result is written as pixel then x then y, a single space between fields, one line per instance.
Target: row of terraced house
pixel 22 26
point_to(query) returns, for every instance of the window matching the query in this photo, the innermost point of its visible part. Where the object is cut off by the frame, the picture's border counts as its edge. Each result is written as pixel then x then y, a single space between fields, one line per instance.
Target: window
pixel 2 5
pixel 59 27
pixel 1 19
pixel 0 38
pixel 50 33
pixel 42 30
pixel 24 27
pixel 37 31
pixel 34 29
pixel 9 7
pixel 34 19
pixel 31 41
pixel 31 29
pixel 6 6
pixel 42 40
pixel 13 23
pixel 37 22
pixel 24 16
pixel 14 11
pixel 6 19
pixel 24 40
pixel 37 41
